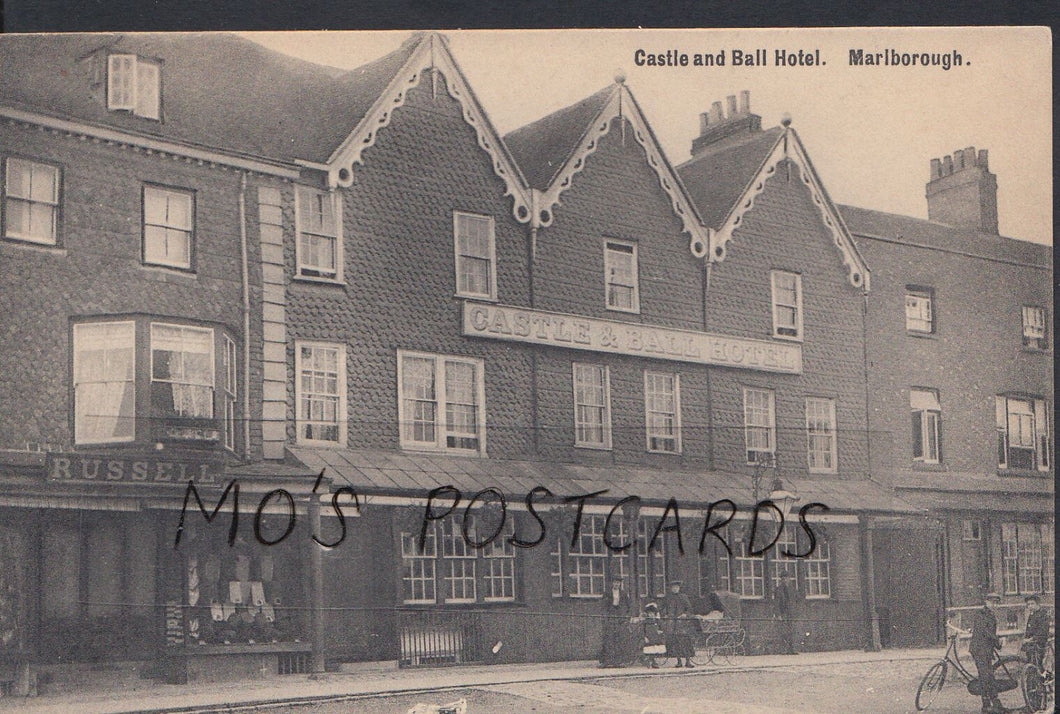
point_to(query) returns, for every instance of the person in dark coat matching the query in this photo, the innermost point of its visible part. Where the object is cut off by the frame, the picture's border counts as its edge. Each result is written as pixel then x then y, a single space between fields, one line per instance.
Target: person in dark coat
pixel 679 626
pixel 787 595
pixel 1036 634
pixel 982 646
pixel 616 650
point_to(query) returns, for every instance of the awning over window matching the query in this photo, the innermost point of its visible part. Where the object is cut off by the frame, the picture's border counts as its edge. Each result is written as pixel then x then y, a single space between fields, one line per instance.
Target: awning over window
pixel 924 400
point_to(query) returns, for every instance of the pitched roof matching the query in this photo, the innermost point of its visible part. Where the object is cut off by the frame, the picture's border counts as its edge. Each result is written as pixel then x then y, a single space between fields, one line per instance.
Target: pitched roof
pixel 218 90
pixel 717 178
pixel 385 472
pixel 542 147
pixel 866 223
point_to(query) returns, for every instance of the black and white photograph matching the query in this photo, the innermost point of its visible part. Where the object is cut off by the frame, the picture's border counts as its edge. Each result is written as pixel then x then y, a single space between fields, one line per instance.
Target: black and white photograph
pixel 557 371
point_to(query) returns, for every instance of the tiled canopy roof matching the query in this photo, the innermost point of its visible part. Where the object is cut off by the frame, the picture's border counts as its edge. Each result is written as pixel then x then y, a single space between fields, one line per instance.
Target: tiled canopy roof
pixel 218 90
pixel 384 472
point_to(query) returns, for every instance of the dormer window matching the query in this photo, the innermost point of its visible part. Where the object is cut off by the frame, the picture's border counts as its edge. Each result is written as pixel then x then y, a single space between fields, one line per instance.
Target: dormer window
pixel 134 85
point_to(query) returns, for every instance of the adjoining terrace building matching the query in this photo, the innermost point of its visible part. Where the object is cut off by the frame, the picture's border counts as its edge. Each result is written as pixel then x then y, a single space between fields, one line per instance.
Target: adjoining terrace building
pixel 365 280
pixel 961 382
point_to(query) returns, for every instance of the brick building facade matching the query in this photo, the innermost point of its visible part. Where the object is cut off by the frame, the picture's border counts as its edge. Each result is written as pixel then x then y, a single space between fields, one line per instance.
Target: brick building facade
pixel 387 297
pixel 961 341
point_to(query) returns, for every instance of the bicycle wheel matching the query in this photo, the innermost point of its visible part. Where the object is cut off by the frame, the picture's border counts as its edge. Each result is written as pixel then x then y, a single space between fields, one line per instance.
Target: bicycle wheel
pixel 930 685
pixel 1033 686
pixel 1007 675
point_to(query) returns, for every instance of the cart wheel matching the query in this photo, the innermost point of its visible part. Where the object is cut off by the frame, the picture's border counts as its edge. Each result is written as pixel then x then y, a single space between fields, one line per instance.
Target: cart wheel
pixel 930 685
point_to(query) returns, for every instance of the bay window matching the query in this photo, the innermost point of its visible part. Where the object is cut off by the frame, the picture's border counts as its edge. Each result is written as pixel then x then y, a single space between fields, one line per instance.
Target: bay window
pixel 744 574
pixel 583 570
pixel 181 367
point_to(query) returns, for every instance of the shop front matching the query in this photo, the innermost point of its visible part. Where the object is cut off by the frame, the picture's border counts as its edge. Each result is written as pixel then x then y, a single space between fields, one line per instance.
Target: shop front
pixel 117 560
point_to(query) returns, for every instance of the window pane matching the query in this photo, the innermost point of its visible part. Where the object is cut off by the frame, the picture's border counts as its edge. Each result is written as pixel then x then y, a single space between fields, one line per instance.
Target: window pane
pixel 147 90
pixel 104 386
pixel 590 402
pixel 320 403
pixel 620 267
pixel 474 251
pixel 32 195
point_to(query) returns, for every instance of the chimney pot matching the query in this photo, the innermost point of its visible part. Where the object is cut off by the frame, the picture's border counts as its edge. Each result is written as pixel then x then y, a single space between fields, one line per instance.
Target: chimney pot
pixel 704 122
pixel 936 168
pixel 983 163
pixel 969 157
pixel 731 99
pixel 958 160
pixel 745 102
pixel 715 113
pixel 947 165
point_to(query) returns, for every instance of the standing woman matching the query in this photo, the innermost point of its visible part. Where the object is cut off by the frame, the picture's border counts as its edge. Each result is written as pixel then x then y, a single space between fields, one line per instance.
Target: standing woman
pixel 680 626
pixel 616 636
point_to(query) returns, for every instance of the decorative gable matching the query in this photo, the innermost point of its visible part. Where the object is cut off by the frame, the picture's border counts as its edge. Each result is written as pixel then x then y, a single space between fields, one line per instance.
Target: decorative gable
pixel 621 104
pixel 431 56
pixel 789 147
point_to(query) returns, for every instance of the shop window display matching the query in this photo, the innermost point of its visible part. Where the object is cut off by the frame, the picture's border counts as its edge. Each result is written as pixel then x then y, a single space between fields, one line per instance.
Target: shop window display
pixel 247 593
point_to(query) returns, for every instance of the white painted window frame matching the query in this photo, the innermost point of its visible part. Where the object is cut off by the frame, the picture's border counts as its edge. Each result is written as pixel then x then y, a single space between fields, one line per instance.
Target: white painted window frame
pixel 606 444
pixel 441 429
pixel 341 413
pixel 832 433
pixel 336 208
pixel 491 293
pixel 609 254
pixel 776 305
pixel 676 382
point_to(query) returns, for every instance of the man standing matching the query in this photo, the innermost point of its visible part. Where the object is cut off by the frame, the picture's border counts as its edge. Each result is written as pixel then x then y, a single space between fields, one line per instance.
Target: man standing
pixel 680 625
pixel 982 646
pixel 787 595
pixel 1036 634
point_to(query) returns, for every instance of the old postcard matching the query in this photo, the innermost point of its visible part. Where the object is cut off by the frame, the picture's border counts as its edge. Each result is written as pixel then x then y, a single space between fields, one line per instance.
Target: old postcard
pixel 556 371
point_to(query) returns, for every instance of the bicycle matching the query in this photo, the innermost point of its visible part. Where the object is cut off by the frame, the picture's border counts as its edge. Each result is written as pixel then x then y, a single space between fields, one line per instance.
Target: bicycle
pixel 1037 681
pixel 1008 676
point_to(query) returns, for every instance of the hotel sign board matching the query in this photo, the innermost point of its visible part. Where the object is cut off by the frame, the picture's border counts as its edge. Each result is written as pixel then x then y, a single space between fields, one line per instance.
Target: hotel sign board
pixel 85 468
pixel 501 322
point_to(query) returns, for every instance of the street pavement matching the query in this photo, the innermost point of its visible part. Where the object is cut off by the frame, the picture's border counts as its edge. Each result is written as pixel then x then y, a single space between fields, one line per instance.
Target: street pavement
pixel 810 683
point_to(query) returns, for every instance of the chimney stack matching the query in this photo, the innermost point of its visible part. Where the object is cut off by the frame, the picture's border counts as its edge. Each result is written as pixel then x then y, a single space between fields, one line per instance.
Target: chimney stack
pixel 962 192
pixel 716 125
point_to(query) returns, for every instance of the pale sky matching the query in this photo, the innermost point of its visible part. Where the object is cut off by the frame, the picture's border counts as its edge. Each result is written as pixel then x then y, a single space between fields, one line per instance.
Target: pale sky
pixel 870 131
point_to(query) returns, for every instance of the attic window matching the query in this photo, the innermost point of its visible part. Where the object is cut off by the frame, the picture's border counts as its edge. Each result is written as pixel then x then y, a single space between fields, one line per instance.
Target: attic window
pixel 134 85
